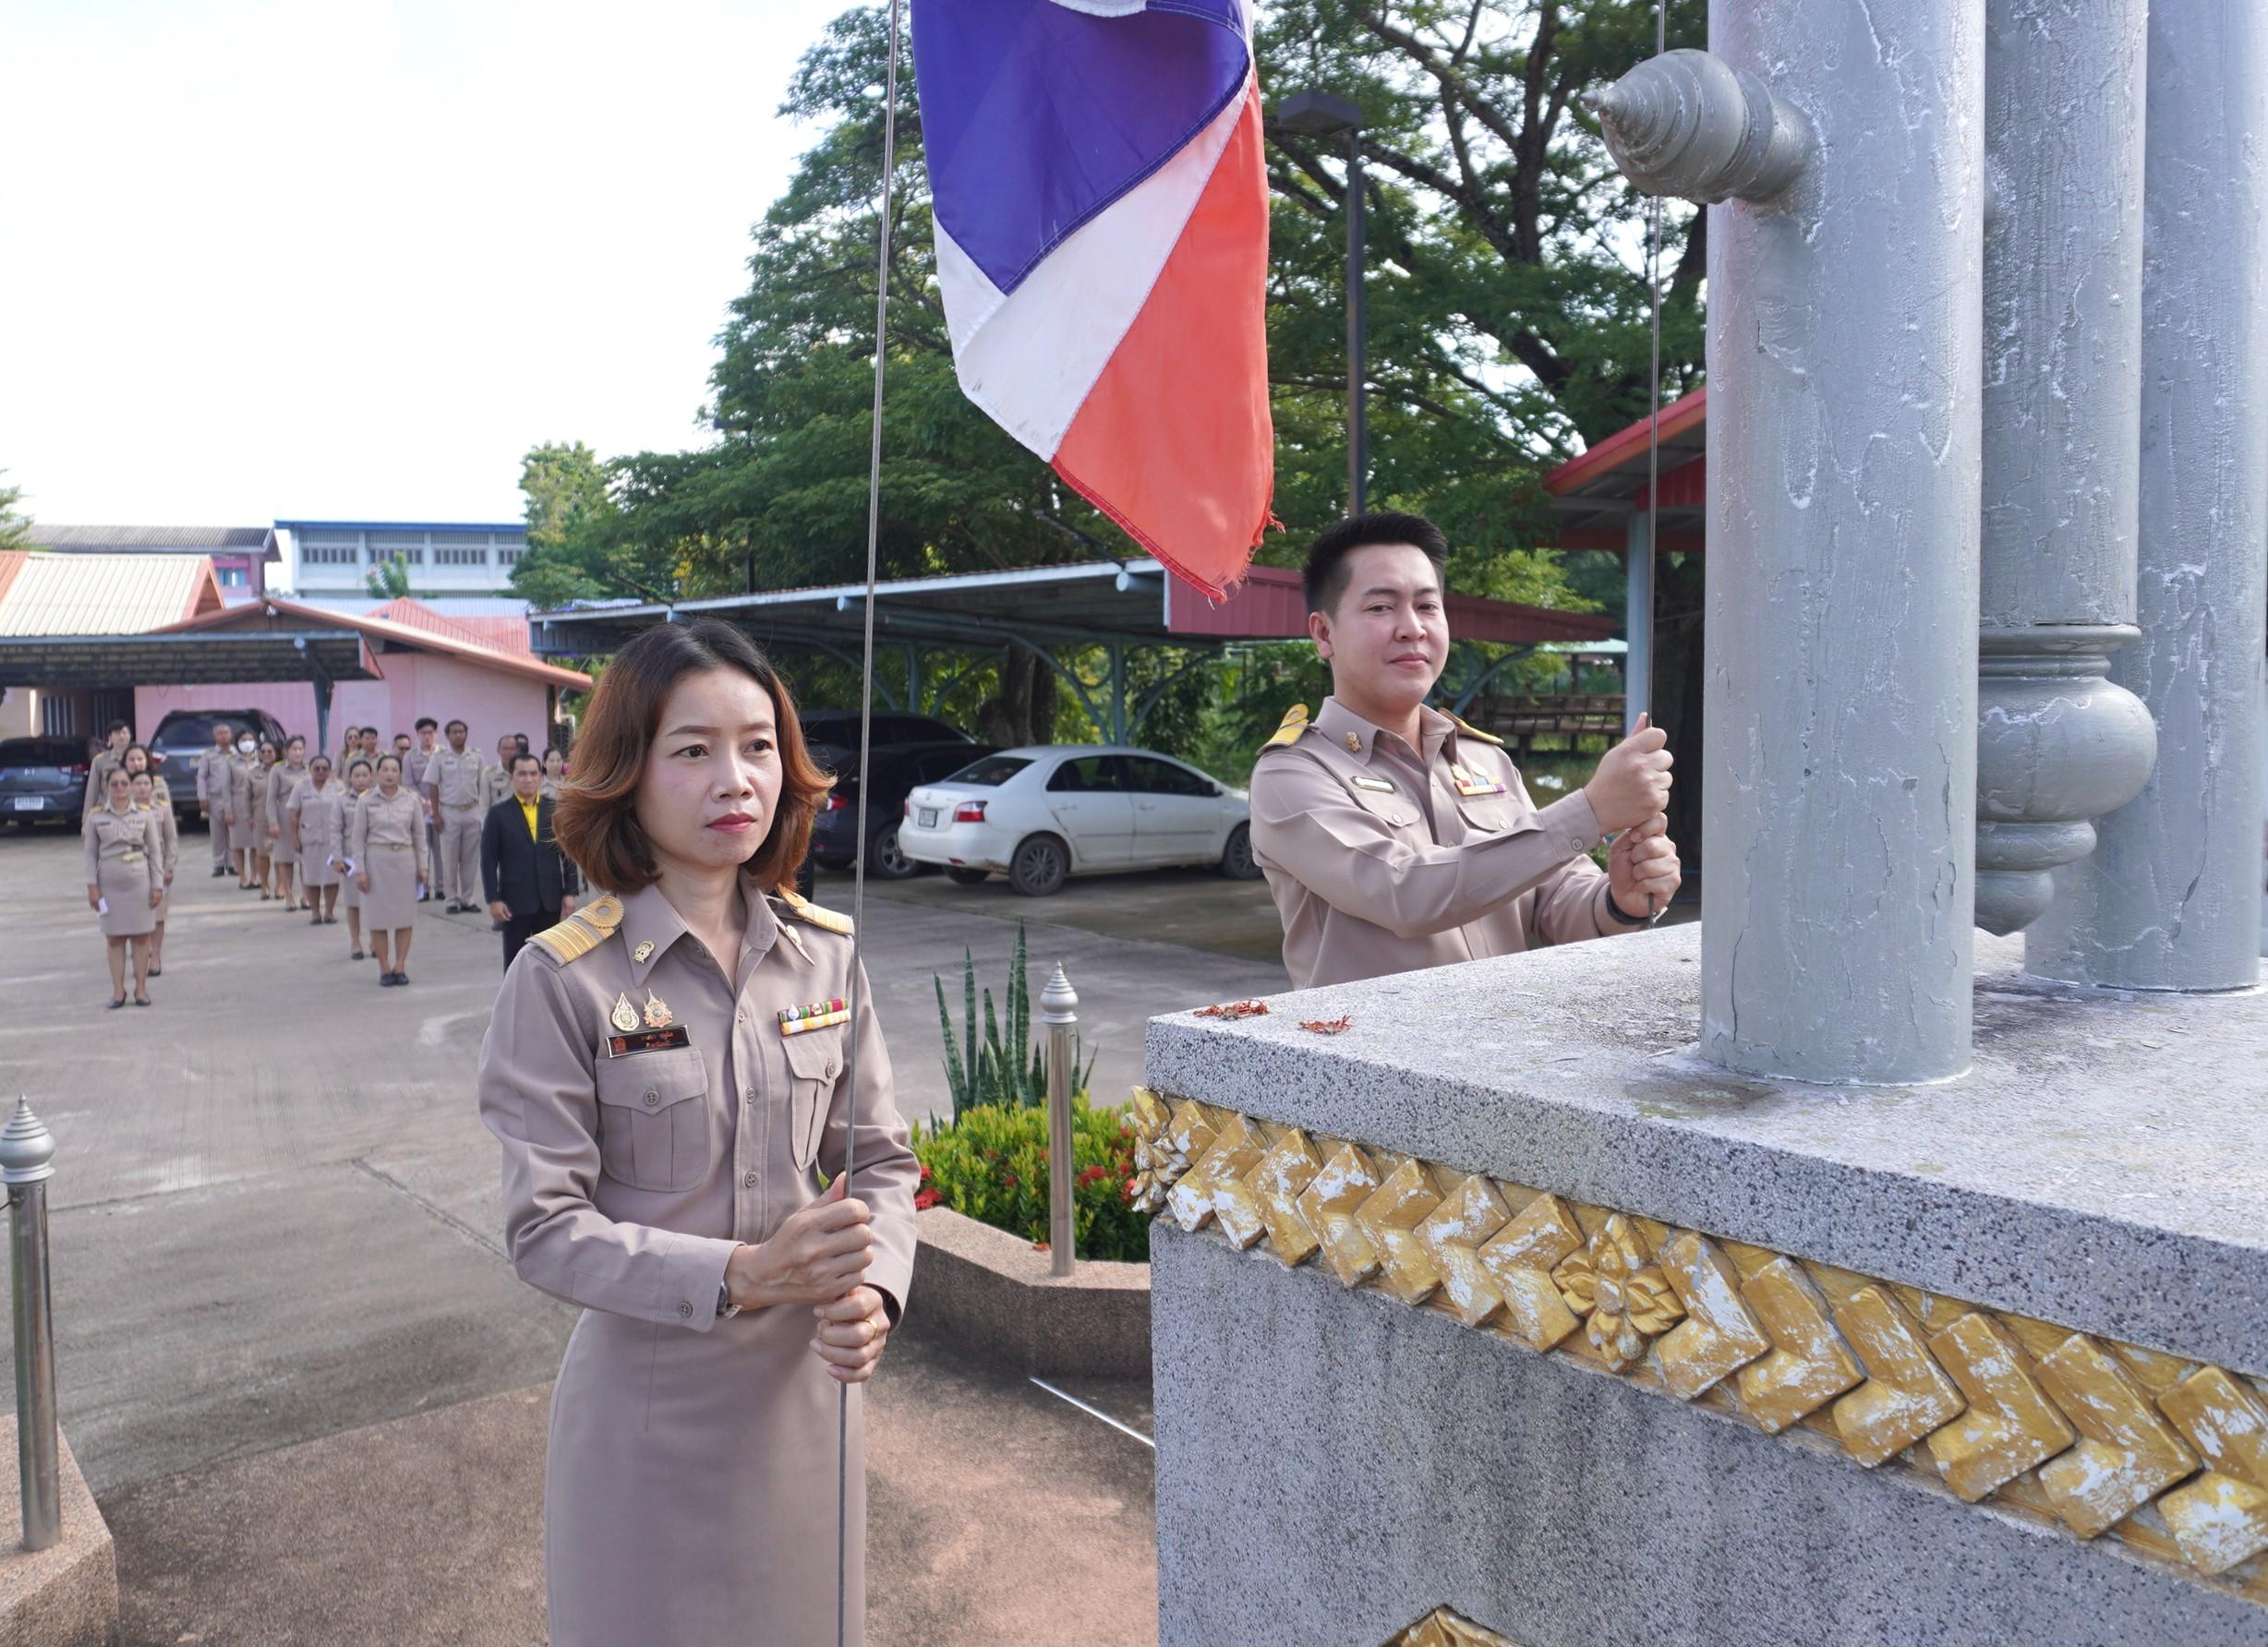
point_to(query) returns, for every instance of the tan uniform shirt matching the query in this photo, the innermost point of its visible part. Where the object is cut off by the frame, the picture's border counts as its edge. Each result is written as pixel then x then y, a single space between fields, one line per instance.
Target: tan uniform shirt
pixel 496 788
pixel 98 780
pixel 1384 859
pixel 458 780
pixel 629 1178
pixel 212 767
pixel 414 766
pixel 283 779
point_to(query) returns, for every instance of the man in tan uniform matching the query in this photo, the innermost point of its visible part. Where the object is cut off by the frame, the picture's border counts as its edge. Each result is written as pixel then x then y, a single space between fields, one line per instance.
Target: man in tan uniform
pixel 456 784
pixel 1394 836
pixel 213 781
pixel 107 759
pixel 414 768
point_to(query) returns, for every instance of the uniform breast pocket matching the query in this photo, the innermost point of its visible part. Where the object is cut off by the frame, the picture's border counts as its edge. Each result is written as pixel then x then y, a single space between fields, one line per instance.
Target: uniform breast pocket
pixel 653 1126
pixel 1489 814
pixel 815 1062
pixel 1393 808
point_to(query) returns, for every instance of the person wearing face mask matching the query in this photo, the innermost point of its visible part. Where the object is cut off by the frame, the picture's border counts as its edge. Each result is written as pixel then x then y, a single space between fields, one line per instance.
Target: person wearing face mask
pixel 388 848
pixel 243 833
pixel 1396 837
pixel 315 818
pixel 668 1073
pixel 150 794
pixel 283 779
pixel 125 854
pixel 361 777
pixel 213 786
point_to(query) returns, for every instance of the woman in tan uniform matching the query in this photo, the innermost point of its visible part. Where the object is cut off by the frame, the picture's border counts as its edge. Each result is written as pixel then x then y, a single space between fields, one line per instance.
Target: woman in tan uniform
pixel 124 853
pixel 665 1070
pixel 315 818
pixel 389 851
pixel 283 779
pixel 243 833
pixel 150 794
pixel 554 774
pixel 361 778
pixel 261 867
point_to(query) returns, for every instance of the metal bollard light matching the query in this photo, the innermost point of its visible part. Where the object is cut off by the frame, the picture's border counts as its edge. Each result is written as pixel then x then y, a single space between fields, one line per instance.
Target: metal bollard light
pixel 27 1154
pixel 1056 1003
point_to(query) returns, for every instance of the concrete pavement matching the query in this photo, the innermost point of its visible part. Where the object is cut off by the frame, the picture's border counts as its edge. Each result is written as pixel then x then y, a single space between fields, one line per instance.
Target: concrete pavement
pixel 276 1226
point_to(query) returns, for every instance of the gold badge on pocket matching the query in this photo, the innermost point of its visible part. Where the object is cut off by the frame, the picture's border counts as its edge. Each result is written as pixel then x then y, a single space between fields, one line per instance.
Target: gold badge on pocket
pixel 624 1016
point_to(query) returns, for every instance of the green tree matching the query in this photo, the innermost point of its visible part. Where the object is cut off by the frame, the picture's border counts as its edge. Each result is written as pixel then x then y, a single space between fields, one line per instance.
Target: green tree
pixel 389 580
pixel 15 525
pixel 579 546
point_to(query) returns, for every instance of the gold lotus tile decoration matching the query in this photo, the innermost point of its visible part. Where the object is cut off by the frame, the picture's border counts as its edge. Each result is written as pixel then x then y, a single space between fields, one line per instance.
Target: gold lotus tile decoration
pixel 1442 1627
pixel 2106 1440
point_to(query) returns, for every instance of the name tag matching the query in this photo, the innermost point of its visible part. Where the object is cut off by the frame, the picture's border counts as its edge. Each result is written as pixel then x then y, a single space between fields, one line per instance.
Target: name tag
pixel 1468 784
pixel 1377 786
pixel 647 1041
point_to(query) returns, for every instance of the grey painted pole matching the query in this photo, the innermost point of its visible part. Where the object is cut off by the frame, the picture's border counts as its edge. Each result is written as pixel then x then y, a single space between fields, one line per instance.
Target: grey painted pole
pixel 26 1162
pixel 1845 355
pixel 1637 619
pixel 2170 898
pixel 1057 1004
pixel 2059 743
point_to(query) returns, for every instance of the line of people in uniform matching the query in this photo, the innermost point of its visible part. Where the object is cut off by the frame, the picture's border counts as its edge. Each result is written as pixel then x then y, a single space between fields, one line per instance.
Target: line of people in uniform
pixel 362 833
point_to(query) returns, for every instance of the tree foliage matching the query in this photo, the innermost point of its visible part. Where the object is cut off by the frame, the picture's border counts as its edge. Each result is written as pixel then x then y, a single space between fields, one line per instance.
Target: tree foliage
pixel 15 525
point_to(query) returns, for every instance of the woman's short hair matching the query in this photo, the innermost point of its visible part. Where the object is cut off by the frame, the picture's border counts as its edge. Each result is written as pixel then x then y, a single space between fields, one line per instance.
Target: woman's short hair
pixel 147 764
pixel 361 761
pixel 596 821
pixel 389 755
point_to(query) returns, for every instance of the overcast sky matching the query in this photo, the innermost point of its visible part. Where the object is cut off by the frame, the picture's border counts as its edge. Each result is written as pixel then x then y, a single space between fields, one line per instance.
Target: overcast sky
pixel 346 260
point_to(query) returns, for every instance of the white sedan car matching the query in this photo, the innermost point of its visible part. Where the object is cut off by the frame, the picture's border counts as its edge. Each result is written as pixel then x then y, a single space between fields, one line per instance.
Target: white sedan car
pixel 1050 810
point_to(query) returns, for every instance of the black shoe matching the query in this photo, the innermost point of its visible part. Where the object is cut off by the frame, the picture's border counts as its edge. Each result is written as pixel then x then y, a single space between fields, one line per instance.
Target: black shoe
pixel 357 956
pixel 402 979
pixel 117 1003
pixel 316 922
pixel 385 981
pixel 157 971
pixel 220 870
pixel 142 1000
pixel 331 920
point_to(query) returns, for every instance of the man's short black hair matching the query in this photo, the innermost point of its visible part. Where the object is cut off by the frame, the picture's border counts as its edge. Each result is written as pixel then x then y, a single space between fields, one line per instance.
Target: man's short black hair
pixel 453 725
pixel 117 727
pixel 1324 579
pixel 535 759
pixel 425 720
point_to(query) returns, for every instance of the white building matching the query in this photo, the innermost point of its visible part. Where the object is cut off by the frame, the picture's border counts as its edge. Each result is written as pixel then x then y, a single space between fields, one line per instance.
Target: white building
pixel 330 560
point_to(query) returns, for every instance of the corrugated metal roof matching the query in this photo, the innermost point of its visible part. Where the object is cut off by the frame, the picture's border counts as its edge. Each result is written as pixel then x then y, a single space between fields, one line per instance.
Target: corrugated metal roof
pixel 143 540
pixel 103 595
pixel 509 635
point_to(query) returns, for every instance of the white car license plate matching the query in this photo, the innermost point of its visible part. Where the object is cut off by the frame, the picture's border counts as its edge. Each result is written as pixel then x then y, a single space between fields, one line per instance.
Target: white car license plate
pixel 928 817
pixel 30 803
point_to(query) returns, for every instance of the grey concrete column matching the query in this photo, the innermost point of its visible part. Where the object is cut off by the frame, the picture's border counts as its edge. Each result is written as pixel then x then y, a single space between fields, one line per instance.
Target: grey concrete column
pixel 2058 744
pixel 2170 898
pixel 1845 355
pixel 1638 619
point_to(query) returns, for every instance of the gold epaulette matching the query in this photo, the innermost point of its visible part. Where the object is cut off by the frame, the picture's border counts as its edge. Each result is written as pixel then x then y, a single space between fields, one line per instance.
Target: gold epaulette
pixel 1295 723
pixel 826 919
pixel 1472 731
pixel 583 931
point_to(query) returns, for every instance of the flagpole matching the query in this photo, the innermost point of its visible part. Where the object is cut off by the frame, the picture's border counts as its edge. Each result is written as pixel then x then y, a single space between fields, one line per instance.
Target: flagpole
pixel 866 714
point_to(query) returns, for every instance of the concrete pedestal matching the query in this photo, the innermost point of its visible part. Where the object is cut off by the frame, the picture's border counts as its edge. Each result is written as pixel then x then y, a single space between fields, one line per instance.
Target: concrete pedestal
pixel 66 1596
pixel 1635 1351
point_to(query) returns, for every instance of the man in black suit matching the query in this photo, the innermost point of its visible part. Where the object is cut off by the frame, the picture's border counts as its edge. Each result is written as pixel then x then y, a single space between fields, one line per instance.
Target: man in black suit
pixel 528 880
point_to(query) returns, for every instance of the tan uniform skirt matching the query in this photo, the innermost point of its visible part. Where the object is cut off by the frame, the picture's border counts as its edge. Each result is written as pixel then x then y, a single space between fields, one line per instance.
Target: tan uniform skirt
pixel 247 834
pixel 281 848
pixel 391 901
pixel 125 887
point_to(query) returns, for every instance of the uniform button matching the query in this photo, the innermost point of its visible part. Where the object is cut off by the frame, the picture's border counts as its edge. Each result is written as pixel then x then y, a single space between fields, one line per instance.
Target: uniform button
pixel 685 1309
pixel 749 1096
pixel 748 1180
pixel 652 1098
pixel 740 1018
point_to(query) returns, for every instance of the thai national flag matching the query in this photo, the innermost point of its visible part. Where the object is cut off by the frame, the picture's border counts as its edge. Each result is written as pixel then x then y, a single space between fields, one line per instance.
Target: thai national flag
pixel 1102 216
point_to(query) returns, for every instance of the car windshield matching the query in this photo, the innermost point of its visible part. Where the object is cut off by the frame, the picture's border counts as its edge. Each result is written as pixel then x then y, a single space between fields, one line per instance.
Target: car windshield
pixel 991 772
pixel 41 752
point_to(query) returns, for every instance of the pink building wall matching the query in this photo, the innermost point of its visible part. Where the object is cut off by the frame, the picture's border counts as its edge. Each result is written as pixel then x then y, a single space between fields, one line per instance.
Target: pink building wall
pixel 490 702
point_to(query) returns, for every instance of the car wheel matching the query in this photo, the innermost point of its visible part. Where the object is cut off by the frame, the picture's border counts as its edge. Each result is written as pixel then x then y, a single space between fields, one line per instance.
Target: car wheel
pixel 968 877
pixel 1039 867
pixel 1237 857
pixel 885 860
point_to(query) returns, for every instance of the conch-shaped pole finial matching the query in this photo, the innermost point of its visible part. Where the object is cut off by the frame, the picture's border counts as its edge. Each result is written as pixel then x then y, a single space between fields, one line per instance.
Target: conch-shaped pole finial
pixel 1691 126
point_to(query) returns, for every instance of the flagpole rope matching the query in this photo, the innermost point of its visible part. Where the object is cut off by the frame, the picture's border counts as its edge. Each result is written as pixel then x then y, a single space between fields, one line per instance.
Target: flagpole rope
pixel 866 715
pixel 1653 420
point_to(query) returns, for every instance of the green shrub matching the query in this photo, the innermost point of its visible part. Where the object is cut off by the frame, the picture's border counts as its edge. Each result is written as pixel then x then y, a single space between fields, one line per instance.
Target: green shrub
pixel 990 1164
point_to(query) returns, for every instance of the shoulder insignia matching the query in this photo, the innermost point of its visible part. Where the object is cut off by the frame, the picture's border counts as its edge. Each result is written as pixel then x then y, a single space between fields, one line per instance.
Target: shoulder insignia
pixel 583 931
pixel 805 910
pixel 1472 731
pixel 1294 724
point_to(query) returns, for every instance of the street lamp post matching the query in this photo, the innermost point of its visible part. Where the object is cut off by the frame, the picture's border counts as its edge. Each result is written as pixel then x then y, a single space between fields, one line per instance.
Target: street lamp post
pixel 1326 114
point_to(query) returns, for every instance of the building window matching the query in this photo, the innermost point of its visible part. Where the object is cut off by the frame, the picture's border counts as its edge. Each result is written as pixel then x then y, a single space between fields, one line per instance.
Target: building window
pixel 407 547
pixel 446 556
pixel 509 557
pixel 229 577
pixel 336 549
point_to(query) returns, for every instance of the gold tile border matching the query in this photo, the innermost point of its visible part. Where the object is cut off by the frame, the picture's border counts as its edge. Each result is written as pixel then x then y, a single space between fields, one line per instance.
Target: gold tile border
pixel 1442 1627
pixel 2168 1456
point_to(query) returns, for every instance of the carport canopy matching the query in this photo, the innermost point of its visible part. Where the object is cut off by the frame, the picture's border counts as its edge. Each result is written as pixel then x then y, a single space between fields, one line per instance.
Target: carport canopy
pixel 1116 607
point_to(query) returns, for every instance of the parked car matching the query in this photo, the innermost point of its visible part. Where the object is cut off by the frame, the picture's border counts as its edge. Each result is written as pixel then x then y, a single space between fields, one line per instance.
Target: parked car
pixel 43 779
pixel 186 734
pixel 1047 811
pixel 892 775
pixel 832 735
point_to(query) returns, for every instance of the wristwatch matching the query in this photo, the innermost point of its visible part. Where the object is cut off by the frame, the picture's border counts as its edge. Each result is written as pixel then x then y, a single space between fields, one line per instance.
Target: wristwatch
pixel 1629 919
pixel 726 1308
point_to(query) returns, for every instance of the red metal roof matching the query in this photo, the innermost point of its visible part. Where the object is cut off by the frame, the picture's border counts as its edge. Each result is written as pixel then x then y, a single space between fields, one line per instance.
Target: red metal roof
pixel 374 627
pixel 500 634
pixel 1593 496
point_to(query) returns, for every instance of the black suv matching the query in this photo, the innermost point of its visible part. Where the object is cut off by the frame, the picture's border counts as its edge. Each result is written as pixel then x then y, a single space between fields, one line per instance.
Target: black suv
pixel 185 734
pixel 833 735
pixel 893 774
pixel 43 778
